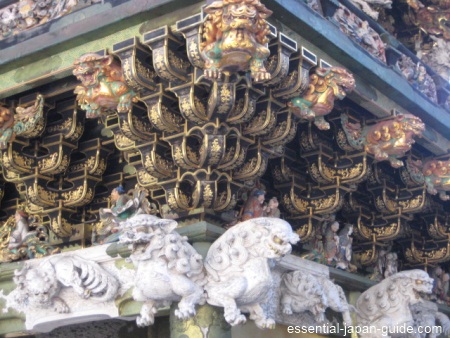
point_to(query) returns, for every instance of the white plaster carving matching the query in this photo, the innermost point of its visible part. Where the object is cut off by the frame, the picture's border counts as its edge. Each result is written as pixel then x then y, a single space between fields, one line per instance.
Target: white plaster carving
pixel 366 6
pixel 40 286
pixel 426 314
pixel 438 58
pixel 238 266
pixel 304 292
pixel 168 269
pixel 387 304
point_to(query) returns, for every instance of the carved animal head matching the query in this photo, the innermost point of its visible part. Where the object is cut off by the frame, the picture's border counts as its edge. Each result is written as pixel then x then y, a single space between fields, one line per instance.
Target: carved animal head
pixel 412 124
pixel 92 68
pixel 395 293
pixel 279 239
pixel 339 79
pixel 143 228
pixel 36 286
pixel 229 15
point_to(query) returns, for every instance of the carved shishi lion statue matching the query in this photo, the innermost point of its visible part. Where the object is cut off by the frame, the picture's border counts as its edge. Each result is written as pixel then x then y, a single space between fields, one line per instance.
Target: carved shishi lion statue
pixel 386 140
pixel 235 38
pixel 168 269
pixel 304 292
pixel 238 267
pixel 103 87
pixel 326 85
pixel 39 286
pixel 388 303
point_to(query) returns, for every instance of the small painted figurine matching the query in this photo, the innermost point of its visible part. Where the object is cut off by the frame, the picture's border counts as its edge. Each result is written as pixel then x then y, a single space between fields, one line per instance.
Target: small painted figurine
pixel 272 208
pixel 111 217
pixel 18 242
pixel 122 208
pixel 345 249
pixel 103 87
pixel 235 38
pixel 254 208
pixel 391 265
pixel 317 253
pixel 331 243
pixel 21 231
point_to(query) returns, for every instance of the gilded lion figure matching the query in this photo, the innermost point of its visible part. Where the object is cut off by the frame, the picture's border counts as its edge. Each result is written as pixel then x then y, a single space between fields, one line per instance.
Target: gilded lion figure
pixel 326 85
pixel 386 140
pixel 235 38
pixel 103 87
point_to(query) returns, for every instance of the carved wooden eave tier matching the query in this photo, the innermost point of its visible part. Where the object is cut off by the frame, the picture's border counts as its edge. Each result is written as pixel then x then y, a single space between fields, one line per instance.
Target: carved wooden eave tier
pixel 146 116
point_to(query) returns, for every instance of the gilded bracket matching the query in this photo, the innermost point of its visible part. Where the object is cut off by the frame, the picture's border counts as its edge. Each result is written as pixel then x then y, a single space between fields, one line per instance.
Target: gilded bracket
pixel 322 200
pixel 284 131
pixel 297 79
pixel 306 226
pixel 190 28
pixel 439 254
pixel 60 221
pixel 161 110
pixel 265 119
pixel 254 166
pixel 135 125
pixel 139 75
pixel 437 226
pixel 208 146
pixel 277 65
pixel 168 63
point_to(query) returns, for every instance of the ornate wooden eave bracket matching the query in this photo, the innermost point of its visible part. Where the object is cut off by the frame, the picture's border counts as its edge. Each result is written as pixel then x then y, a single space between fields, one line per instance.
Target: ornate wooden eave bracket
pixel 299 199
pixel 439 254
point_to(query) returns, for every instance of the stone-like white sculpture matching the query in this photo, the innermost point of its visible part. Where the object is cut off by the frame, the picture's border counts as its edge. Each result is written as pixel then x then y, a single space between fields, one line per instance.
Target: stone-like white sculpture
pixel 426 315
pixel 437 58
pixel 387 304
pixel 366 6
pixel 40 286
pixel 168 269
pixel 238 267
pixel 302 292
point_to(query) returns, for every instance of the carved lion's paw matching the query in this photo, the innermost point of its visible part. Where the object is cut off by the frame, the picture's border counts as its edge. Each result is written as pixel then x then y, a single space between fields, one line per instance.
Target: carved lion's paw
pixel 143 321
pixel 261 76
pixel 213 73
pixel 185 312
pixel 235 318
pixel 123 107
pixel 267 323
pixel 61 307
pixel 287 310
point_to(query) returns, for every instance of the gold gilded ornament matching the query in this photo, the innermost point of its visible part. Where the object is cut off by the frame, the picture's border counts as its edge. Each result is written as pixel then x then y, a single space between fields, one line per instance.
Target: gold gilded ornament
pixel 326 85
pixel 235 38
pixel 103 87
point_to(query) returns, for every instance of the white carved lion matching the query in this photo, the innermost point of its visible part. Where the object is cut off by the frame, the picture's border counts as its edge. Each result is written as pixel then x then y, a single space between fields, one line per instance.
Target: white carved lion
pixel 302 292
pixel 387 304
pixel 238 267
pixel 168 269
pixel 40 286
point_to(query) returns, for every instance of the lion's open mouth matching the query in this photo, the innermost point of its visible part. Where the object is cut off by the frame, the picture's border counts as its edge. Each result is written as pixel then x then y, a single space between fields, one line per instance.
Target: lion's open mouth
pixel 277 251
pixel 87 77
